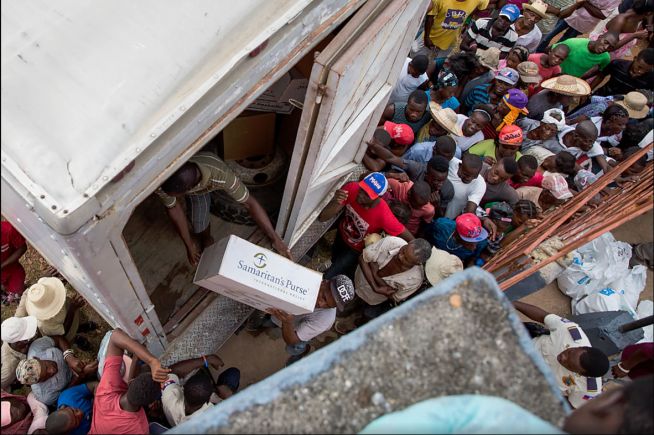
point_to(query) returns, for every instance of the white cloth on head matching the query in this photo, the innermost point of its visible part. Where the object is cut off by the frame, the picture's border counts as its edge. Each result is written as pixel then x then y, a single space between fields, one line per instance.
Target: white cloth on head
pixel 548 118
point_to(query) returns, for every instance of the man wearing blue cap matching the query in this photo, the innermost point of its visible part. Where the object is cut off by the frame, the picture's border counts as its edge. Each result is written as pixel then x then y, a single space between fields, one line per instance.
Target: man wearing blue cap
pixel 365 212
pixel 493 32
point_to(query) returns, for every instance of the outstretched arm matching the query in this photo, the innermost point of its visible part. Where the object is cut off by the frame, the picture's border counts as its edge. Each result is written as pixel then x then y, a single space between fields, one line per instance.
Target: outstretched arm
pixel 531 311
pixel 263 221
pixel 120 342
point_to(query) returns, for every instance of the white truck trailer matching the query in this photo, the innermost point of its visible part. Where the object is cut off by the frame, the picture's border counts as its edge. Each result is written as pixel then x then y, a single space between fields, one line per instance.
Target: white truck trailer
pixel 102 101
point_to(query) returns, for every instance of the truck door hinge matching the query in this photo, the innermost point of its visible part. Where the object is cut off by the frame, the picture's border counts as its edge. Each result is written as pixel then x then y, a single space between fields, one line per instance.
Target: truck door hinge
pixel 322 90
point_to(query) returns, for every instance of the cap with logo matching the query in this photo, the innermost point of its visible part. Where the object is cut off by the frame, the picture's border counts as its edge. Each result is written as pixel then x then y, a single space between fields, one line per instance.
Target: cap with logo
pixel 555 183
pixel 501 211
pixel 508 75
pixel 469 228
pixel 511 12
pixel 400 133
pixel 374 184
pixel 15 329
pixel 342 291
pixel 510 135
pixel 529 72
pixel 28 371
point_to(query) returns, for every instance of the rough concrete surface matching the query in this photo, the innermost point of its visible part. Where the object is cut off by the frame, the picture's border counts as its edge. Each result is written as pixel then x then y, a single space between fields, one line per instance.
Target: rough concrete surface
pixel 425 348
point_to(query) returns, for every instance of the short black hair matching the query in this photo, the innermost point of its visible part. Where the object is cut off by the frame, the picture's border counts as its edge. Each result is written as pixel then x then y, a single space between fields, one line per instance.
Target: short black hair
pixel 422 249
pixel 445 144
pixel 643 6
pixel 420 62
pixel 509 164
pixel 439 164
pixel 647 55
pixel 382 136
pixel 594 362
pixel 527 161
pixel 182 180
pixel 400 210
pixel 642 161
pixel 418 97
pixel 57 422
pixel 421 189
pixel 142 390
pixel 615 111
pixel 526 208
pixel 473 161
pixel 198 389
pixel 565 162
pixel 635 132
pixel 638 417
pixel 462 64
pixel 559 47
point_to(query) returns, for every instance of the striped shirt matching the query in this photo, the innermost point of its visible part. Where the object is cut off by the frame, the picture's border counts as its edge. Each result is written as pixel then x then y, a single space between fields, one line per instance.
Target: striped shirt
pixel 480 31
pixel 478 95
pixel 215 175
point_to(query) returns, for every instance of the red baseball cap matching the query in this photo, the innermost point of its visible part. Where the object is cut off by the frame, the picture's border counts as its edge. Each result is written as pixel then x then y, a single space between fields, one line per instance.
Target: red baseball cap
pixel 400 133
pixel 469 228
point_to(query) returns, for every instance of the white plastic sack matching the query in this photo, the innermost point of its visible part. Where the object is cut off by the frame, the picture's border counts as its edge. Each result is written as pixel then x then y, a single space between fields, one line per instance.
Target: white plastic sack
pixel 646 308
pixel 594 266
pixel 606 299
pixel 631 284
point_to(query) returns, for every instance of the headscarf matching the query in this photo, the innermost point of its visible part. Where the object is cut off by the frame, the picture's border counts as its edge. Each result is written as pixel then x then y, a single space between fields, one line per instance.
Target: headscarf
pixel 516 101
pixel 548 118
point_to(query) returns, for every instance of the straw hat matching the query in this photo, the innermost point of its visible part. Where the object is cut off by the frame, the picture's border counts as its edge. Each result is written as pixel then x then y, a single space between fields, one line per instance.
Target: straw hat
pixel 446 118
pixel 538 7
pixel 636 105
pixel 567 85
pixel 490 58
pixel 440 265
pixel 45 298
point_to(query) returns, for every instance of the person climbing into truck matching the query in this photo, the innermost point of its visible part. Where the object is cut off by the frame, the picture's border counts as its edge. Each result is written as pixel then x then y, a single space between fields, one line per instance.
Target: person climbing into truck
pixel 196 179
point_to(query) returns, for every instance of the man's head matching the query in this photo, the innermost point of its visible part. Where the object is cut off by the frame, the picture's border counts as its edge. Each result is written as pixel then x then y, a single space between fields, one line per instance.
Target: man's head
pixel 182 180
pixel 530 18
pixel 34 370
pixel 64 420
pixel 446 83
pixel 643 63
pixel 469 230
pixel 523 210
pixel 142 390
pixel 19 332
pixel 437 170
pixel 371 189
pixel 401 137
pixel 517 55
pixel 557 55
pixel 444 146
pixel 505 79
pixel 469 168
pixel 586 361
pixel 625 409
pixel 197 391
pixel 414 253
pixel 228 382
pixel 501 213
pixel 604 43
pixel 501 171
pixel 527 166
pixel 13 411
pixel 479 117
pixel 419 194
pixel 418 65
pixel 584 135
pixel 400 210
pixel 614 120
pixel 562 162
pixel 416 106
pixel 337 292
pixel 508 15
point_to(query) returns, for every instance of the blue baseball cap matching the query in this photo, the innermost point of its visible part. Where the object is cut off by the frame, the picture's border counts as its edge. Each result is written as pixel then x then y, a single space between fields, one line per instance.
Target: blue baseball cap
pixel 374 184
pixel 511 12
pixel 508 75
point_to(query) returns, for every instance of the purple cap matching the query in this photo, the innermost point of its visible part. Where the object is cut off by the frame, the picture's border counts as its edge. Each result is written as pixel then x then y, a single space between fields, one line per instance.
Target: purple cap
pixel 516 98
pixel 511 12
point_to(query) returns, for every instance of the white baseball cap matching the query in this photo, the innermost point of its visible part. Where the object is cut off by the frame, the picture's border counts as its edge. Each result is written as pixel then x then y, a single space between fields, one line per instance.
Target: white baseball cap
pixel 16 329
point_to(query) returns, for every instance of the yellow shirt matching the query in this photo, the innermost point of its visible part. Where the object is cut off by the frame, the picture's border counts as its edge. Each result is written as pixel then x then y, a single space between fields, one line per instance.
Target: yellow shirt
pixel 449 17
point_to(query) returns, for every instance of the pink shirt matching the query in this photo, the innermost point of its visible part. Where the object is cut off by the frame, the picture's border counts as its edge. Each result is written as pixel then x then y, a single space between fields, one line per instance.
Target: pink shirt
pixel 400 192
pixel 582 21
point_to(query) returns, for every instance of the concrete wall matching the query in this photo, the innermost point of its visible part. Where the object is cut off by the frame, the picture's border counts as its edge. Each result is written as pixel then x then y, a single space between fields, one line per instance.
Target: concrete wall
pixel 424 348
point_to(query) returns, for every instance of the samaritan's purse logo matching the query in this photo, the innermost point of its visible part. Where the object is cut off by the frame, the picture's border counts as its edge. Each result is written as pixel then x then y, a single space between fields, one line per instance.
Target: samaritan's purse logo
pixel 260 260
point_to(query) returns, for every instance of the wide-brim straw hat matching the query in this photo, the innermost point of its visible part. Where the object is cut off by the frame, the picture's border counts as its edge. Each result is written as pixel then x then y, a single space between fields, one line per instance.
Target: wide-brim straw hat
pixel 440 265
pixel 567 85
pixel 538 7
pixel 636 104
pixel 446 118
pixel 45 298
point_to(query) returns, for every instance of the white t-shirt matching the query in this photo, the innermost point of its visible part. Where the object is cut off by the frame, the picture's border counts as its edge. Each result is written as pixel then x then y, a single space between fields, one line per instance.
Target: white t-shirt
pixel 464 142
pixel 473 191
pixel 310 325
pixel 531 39
pixel 406 84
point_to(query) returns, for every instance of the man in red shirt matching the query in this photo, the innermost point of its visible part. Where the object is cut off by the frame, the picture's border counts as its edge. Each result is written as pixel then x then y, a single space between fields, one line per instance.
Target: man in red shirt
pixel 365 213
pixel 118 407
pixel 12 272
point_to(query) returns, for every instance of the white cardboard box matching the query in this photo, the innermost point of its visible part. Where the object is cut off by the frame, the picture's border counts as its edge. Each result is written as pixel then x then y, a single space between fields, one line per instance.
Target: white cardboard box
pixel 257 277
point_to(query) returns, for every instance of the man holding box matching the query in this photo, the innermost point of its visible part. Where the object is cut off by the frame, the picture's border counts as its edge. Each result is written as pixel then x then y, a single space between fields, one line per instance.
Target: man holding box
pixel 297 331
pixel 365 213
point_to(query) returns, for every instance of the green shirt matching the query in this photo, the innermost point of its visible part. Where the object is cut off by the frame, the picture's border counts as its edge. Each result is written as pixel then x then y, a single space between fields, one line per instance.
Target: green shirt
pixel 486 148
pixel 580 59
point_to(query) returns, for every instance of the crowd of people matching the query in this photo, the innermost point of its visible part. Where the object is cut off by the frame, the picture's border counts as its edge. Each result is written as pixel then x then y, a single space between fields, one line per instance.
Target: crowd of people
pixel 490 124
